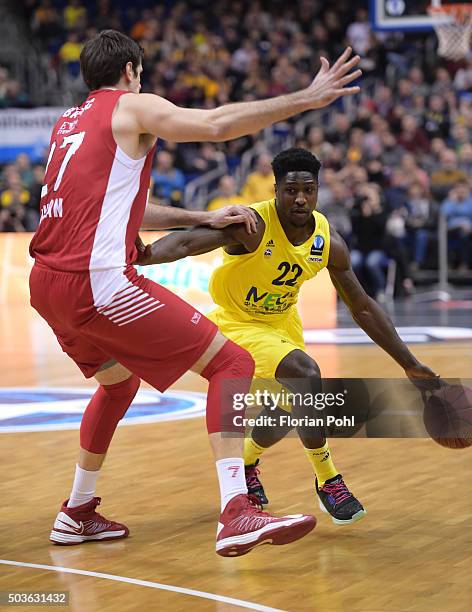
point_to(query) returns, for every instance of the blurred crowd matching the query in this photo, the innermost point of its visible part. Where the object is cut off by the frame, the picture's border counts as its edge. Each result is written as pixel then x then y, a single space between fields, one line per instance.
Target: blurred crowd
pixel 392 160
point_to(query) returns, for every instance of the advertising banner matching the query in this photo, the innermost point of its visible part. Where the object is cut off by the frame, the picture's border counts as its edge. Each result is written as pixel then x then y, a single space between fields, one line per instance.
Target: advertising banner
pixel 26 131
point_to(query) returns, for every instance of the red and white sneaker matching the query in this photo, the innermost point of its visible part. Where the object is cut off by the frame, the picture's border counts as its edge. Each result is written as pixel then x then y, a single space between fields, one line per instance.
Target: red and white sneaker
pixel 83 524
pixel 243 526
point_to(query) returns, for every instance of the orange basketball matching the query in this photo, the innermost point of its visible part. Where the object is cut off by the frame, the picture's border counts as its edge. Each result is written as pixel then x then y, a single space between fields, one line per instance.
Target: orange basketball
pixel 448 416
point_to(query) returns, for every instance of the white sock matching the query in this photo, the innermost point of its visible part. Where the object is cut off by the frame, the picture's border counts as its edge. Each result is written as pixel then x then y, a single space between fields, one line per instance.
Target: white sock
pixel 83 489
pixel 231 478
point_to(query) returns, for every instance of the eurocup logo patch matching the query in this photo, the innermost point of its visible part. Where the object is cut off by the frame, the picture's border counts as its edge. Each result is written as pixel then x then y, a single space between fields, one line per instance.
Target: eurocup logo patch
pixel 59 408
pixel 316 251
pixel 317 246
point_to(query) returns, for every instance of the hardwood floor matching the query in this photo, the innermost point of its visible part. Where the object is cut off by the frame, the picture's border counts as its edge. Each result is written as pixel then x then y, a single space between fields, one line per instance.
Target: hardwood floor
pixel 412 552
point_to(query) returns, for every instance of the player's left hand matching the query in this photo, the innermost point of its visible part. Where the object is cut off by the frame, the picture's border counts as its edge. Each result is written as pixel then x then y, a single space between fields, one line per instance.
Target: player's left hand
pixel 233 214
pixel 423 377
pixel 144 252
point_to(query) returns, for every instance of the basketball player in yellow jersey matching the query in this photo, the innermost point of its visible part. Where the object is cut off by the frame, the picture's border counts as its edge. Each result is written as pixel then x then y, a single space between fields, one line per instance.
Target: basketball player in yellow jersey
pixel 256 289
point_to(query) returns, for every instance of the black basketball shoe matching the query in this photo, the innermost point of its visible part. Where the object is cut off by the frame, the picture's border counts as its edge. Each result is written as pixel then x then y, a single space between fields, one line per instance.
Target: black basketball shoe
pixel 336 499
pixel 254 485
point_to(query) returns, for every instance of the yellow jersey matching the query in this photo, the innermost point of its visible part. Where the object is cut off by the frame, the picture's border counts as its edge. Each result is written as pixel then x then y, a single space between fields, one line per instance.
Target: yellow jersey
pixel 264 285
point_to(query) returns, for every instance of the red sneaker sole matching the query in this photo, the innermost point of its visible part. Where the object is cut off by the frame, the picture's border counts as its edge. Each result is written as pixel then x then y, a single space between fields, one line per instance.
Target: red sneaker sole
pixel 277 537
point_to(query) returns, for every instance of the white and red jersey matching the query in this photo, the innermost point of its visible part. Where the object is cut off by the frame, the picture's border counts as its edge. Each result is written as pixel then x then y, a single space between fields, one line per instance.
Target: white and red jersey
pixel 94 195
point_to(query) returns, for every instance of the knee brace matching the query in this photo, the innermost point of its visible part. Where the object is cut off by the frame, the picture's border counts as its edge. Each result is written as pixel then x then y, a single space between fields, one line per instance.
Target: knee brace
pixel 107 406
pixel 230 375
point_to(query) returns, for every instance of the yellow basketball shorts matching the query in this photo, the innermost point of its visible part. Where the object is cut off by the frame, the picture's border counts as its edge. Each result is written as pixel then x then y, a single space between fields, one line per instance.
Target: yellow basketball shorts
pixel 267 343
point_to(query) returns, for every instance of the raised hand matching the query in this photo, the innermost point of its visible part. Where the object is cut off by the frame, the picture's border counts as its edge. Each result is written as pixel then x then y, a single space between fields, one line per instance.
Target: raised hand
pixel 330 82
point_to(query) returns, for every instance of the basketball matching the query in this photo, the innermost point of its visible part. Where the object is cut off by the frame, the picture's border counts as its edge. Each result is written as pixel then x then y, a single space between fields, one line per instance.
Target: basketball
pixel 448 416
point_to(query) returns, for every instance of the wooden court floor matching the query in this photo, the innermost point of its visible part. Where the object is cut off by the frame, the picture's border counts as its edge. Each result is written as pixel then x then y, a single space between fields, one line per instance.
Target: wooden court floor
pixel 412 552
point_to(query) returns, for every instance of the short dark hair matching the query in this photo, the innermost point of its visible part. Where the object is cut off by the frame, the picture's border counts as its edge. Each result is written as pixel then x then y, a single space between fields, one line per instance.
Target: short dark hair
pixel 295 160
pixel 104 58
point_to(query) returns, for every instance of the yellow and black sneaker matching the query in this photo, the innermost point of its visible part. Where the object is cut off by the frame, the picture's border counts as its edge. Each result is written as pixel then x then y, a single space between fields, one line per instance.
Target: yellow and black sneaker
pixel 335 498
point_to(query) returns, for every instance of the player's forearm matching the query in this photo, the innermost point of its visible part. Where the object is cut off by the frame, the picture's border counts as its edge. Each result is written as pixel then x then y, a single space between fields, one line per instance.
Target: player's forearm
pixel 178 245
pixel 236 120
pixel 166 217
pixel 377 325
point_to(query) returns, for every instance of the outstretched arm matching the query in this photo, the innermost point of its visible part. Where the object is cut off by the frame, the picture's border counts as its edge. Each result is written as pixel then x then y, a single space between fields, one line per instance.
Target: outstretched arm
pixel 167 217
pixel 152 114
pixel 198 240
pixel 367 313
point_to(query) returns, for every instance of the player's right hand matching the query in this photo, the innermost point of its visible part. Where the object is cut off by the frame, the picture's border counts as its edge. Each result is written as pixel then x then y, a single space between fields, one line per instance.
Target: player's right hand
pixel 330 82
pixel 229 215
pixel 144 252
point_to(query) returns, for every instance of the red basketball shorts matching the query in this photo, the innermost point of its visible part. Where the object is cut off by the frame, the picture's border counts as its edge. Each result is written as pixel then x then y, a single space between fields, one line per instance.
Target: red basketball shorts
pixel 121 316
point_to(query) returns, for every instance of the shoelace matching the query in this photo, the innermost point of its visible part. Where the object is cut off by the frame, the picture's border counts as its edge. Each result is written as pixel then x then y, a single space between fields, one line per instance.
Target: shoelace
pixel 255 504
pixel 338 490
pixel 252 476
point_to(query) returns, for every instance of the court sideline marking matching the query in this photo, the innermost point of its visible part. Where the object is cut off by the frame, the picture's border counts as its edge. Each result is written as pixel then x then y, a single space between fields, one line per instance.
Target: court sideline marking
pixel 146 583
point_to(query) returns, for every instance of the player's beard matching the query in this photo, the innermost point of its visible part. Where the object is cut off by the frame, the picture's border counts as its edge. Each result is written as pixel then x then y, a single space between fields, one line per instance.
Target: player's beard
pixel 299 220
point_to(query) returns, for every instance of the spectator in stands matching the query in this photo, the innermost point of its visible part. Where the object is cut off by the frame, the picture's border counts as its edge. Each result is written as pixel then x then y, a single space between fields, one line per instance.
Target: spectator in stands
pixel 259 185
pixel 436 118
pixel 227 194
pixel 359 33
pixel 465 159
pixel 15 96
pixel 396 194
pixel 206 158
pixel 442 82
pixel 463 77
pixel 338 133
pixel 447 175
pixel 317 143
pixel 432 161
pixel 458 212
pixel 368 256
pixel 23 166
pixel 461 136
pixel 168 181
pixel 391 152
pixel 421 223
pixel 74 14
pixel 46 22
pixel 405 93
pixel 384 100
pixel 416 76
pixel 13 201
pixel 69 54
pixel 412 137
pixel 396 248
pixel 412 171
pixel 337 206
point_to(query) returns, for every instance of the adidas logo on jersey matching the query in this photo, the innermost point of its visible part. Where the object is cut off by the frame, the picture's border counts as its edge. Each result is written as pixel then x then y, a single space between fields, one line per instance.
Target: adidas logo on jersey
pixel 270 243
